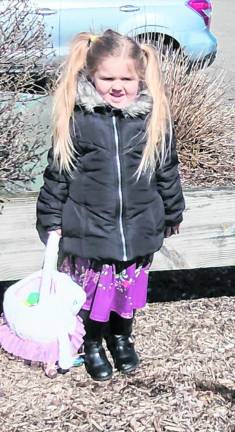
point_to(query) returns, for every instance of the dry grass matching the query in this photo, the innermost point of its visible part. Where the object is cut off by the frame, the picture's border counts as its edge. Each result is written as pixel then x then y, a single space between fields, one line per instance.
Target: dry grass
pixel 186 382
pixel 204 122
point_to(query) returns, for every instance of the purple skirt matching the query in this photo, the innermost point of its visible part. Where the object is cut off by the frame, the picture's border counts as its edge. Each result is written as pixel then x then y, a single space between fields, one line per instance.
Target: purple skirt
pixel 117 287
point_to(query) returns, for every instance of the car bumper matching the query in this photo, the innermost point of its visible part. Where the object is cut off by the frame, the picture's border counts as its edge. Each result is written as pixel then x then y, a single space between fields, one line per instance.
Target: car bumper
pixel 198 45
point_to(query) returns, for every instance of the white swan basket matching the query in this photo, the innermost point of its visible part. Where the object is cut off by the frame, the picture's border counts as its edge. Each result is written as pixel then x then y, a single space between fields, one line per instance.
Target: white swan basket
pixel 43 308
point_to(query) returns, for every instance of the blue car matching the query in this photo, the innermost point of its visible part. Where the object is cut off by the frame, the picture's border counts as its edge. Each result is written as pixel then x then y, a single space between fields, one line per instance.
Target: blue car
pixel 184 23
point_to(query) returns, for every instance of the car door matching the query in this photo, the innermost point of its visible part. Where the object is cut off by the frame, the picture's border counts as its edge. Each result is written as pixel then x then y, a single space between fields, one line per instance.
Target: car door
pixel 87 15
pixel 97 15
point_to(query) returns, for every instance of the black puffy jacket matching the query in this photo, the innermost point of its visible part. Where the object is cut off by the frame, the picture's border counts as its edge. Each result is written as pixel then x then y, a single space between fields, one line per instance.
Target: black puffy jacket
pixel 104 212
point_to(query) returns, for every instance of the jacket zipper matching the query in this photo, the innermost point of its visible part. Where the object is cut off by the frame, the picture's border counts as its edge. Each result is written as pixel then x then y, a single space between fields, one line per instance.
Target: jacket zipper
pixel 119 189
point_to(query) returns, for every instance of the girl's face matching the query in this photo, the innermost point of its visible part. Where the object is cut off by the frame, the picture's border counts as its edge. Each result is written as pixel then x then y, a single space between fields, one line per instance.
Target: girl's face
pixel 116 81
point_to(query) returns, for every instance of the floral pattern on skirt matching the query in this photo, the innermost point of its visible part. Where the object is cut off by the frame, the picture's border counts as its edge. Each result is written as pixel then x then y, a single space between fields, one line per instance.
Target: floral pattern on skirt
pixel 117 287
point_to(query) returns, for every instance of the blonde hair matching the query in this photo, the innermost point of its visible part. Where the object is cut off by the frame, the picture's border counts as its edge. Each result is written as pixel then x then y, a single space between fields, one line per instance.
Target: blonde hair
pixel 159 122
pixel 86 53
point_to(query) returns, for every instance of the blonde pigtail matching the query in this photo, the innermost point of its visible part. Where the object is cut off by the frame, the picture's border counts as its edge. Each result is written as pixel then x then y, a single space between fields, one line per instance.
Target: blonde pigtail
pixel 159 122
pixel 64 101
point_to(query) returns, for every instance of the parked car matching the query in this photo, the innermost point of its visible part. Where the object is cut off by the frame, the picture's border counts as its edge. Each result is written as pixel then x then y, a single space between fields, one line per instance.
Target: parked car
pixel 184 23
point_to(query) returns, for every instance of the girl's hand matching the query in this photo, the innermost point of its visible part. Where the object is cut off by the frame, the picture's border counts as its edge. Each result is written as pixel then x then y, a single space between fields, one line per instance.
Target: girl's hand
pixel 58 231
pixel 169 231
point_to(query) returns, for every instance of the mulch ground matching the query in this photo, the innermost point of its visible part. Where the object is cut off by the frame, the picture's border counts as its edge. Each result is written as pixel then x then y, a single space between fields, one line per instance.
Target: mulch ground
pixel 186 381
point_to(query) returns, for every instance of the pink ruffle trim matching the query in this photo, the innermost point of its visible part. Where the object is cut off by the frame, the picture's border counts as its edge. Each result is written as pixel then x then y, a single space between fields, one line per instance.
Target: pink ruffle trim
pixel 36 351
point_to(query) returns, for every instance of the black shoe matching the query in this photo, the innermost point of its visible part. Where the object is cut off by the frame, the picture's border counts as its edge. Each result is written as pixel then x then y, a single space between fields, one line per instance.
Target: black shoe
pixel 120 343
pixel 122 349
pixel 96 362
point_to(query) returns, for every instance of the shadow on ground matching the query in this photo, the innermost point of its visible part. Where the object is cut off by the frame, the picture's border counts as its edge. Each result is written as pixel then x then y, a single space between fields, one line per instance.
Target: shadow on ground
pixel 191 284
pixel 178 285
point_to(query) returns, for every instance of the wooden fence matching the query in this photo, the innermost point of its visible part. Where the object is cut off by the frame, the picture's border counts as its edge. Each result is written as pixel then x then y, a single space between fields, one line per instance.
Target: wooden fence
pixel 207 237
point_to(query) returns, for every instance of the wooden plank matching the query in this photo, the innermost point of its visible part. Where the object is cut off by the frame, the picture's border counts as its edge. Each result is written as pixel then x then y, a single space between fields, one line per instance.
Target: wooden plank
pixel 207 237
pixel 21 251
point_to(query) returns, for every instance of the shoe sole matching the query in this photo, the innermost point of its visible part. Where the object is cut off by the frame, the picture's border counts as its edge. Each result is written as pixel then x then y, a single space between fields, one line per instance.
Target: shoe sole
pixel 101 379
pixel 129 370
pixel 96 378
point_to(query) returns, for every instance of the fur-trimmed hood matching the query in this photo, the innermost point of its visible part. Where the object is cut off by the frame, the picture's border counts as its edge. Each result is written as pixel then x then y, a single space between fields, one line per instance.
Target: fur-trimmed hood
pixel 89 98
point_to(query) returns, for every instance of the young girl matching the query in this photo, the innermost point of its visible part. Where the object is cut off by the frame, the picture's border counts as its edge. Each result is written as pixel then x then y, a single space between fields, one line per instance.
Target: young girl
pixel 111 188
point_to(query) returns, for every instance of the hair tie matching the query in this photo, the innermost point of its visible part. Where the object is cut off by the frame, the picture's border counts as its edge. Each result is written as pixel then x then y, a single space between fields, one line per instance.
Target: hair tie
pixel 93 38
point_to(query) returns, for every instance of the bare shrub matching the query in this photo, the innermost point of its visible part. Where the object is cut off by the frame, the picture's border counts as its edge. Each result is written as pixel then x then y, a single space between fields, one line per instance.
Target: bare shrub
pixel 24 57
pixel 21 144
pixel 204 122
pixel 25 48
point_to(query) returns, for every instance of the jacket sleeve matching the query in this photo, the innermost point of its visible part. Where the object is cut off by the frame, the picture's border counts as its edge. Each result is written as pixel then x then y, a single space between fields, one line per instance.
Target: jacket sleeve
pixel 169 187
pixel 51 199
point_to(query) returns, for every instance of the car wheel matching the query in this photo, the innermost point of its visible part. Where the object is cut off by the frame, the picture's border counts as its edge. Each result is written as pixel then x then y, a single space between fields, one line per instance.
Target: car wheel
pixel 161 41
